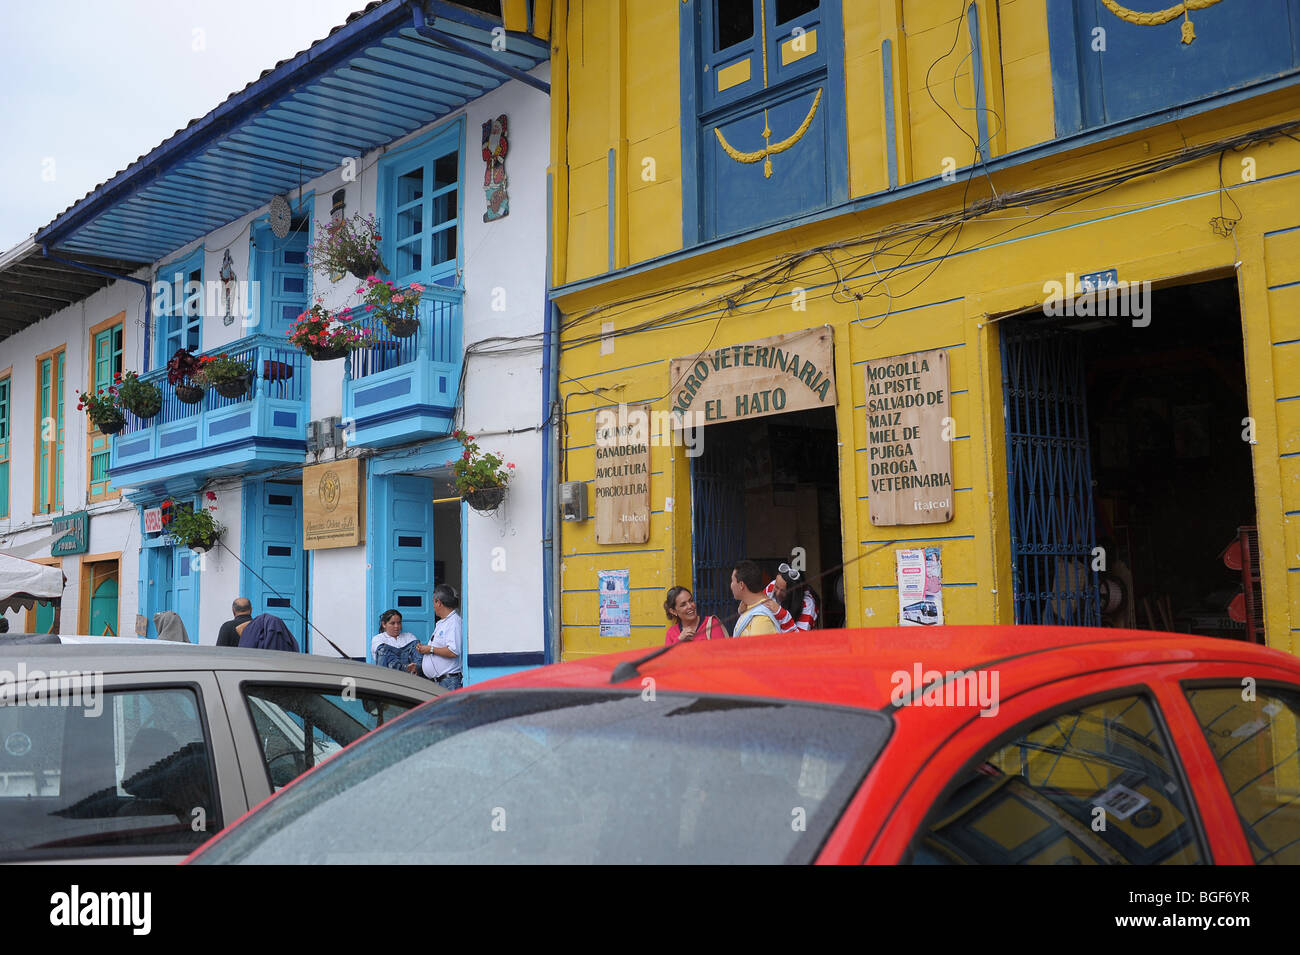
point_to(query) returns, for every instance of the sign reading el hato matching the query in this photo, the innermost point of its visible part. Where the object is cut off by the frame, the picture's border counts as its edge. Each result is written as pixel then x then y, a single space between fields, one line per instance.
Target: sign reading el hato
pixel 909 440
pixel 789 372
pixel 623 476
pixel 333 505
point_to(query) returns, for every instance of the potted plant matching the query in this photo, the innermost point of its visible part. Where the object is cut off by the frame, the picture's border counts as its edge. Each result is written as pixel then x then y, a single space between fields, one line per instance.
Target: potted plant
pixel 141 398
pixel 182 369
pixel 197 529
pixel 231 377
pixel 102 407
pixel 399 309
pixel 348 245
pixel 322 337
pixel 481 477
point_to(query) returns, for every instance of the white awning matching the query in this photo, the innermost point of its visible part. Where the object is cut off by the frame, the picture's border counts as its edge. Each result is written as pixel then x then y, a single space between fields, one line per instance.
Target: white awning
pixel 23 583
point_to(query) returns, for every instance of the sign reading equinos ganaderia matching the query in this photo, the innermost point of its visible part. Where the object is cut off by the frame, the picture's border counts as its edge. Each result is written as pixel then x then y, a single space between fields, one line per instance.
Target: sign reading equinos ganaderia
pixel 909 446
pixel 790 372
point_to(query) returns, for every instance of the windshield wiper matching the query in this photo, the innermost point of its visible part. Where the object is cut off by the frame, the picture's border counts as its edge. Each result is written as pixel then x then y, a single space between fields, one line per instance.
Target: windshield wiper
pixel 627 670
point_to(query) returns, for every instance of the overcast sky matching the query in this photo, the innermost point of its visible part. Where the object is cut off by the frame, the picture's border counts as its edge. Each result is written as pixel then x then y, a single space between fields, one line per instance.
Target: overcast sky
pixel 87 87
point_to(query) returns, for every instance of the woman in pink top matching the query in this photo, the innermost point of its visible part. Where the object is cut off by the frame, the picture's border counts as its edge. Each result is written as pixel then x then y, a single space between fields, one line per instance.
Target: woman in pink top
pixel 686 622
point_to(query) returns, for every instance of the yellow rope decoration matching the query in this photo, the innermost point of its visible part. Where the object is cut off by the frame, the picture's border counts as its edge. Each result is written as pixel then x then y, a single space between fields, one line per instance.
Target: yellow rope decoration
pixel 769 149
pixel 1160 17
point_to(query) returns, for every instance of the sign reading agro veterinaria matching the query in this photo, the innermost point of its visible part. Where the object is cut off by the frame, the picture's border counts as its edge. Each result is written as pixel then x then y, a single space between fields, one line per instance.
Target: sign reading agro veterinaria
pixel 789 372
pixel 623 477
pixel 909 440
pixel 333 502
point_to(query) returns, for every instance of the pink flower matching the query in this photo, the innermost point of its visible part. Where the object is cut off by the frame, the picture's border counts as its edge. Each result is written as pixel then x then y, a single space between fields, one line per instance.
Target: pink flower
pixel 510 465
pixel 371 279
pixel 213 497
pixel 399 298
pixel 417 287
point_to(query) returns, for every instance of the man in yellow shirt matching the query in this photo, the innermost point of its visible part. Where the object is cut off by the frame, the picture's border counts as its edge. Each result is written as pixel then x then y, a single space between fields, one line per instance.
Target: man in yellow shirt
pixel 747 587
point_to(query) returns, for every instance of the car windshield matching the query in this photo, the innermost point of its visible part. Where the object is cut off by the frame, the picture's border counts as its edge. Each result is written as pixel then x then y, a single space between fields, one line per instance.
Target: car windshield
pixel 574 777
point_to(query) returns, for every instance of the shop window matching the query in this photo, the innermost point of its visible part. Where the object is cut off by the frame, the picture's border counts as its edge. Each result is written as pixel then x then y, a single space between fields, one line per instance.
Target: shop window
pixel 420 203
pixel 178 305
pixel 768 123
pixel 1109 65
pixel 99 613
pixel 105 366
pixel 5 383
pixel 50 382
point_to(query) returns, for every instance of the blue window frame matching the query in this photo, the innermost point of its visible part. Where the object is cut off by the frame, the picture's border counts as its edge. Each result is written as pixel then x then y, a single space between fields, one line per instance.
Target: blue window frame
pixel 178 305
pixel 279 269
pixel 1108 67
pixel 420 206
pixel 762 113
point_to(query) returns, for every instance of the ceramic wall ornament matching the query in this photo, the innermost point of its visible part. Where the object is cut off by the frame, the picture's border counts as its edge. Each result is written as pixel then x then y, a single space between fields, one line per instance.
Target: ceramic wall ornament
pixel 228 287
pixel 496 144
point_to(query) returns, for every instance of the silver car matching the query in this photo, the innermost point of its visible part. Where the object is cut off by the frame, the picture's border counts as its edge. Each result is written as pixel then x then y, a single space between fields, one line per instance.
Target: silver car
pixel 109 750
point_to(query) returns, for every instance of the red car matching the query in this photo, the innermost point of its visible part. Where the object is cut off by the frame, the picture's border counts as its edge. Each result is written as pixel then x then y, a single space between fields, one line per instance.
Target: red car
pixel 926 746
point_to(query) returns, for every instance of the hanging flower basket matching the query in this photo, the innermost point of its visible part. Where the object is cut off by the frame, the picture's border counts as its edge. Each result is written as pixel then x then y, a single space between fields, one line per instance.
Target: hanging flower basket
pixel 397 308
pixel 190 394
pixel 112 424
pixel 195 528
pixel 202 547
pixel 326 352
pixel 235 387
pixel 402 327
pixel 141 398
pixel 348 245
pixel 485 500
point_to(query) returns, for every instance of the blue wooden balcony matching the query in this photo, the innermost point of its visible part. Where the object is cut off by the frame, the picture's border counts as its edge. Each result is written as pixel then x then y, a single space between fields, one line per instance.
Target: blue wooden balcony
pixel 183 445
pixel 403 389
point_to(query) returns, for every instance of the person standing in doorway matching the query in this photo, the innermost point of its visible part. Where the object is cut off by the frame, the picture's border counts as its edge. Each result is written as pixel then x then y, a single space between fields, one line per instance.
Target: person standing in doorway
pixel 441 662
pixel 392 646
pixel 788 592
pixel 747 587
pixel 228 635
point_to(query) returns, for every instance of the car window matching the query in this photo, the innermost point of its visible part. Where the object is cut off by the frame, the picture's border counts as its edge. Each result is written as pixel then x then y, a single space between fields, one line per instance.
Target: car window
pixel 1091 786
pixel 563 776
pixel 1253 733
pixel 84 770
pixel 299 727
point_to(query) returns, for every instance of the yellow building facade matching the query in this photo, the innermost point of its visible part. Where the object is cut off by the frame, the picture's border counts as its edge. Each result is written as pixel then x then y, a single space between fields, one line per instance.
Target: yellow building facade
pixel 918 176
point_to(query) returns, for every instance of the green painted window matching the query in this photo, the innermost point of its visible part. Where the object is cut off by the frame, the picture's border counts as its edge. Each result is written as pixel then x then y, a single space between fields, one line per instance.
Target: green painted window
pixel 50 381
pixel 106 352
pixel 4 447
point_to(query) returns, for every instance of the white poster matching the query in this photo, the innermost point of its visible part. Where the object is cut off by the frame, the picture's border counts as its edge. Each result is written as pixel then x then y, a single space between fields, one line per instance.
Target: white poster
pixel 920 587
pixel 615 603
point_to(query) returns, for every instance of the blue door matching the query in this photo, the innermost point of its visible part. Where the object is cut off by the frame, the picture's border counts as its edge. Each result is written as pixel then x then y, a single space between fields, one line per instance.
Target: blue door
pixel 274 551
pixel 186 567
pixel 282 277
pixel 718 518
pixel 156 564
pixel 409 545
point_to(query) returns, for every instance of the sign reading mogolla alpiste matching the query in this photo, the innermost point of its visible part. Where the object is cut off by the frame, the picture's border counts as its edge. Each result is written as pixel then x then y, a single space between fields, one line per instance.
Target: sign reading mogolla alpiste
pixel 909 439
pixel 789 372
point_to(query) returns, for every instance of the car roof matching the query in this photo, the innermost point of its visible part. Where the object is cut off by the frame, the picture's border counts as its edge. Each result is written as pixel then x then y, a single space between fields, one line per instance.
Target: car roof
pixel 855 667
pixel 165 657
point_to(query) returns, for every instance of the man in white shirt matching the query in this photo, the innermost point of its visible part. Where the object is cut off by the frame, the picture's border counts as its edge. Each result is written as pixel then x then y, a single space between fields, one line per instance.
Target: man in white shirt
pixel 441 660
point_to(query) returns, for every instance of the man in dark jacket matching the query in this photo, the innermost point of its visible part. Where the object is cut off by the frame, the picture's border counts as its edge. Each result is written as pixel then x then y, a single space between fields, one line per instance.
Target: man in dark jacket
pixel 228 636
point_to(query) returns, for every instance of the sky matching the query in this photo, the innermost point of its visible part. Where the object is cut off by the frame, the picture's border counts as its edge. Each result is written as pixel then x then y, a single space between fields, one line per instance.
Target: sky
pixel 87 87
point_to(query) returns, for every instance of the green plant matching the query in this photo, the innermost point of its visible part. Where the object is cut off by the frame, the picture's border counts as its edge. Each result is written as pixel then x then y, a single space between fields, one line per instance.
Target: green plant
pixel 476 470
pixel 190 527
pixel 141 398
pixel 318 328
pixel 348 245
pixel 219 369
pixel 398 308
pixel 103 407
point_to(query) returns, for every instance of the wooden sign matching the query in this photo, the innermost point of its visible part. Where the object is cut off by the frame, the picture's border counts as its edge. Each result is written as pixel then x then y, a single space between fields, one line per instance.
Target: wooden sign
pixel 909 439
pixel 623 476
pixel 789 372
pixel 333 505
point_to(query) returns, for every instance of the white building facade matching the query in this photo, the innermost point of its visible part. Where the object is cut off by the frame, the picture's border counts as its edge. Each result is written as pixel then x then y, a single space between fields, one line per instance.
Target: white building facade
pixel 386 117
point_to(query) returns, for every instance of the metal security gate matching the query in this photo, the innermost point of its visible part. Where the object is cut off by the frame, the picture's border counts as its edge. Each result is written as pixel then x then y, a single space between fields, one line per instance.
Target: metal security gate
pixel 718 518
pixel 1049 476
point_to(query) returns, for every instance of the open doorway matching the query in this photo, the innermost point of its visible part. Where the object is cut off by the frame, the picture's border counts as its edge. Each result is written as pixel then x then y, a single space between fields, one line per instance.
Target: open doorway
pixel 759 489
pixel 447 533
pixel 1131 485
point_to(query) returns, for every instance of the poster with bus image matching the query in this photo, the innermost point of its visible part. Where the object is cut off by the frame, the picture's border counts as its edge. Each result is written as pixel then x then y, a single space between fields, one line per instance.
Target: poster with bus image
pixel 920 587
